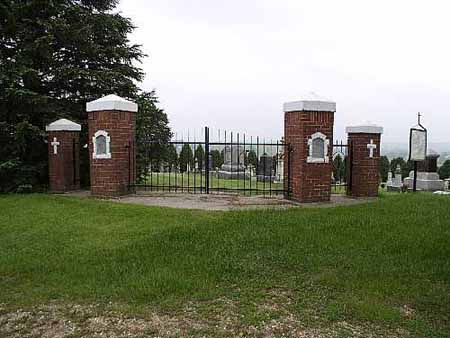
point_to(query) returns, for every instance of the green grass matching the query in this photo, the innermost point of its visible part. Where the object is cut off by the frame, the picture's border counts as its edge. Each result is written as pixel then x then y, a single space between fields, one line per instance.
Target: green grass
pixel 191 180
pixel 162 181
pixel 360 264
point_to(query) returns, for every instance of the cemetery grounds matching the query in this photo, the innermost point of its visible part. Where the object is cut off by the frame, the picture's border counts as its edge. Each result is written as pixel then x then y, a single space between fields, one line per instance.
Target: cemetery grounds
pixel 72 267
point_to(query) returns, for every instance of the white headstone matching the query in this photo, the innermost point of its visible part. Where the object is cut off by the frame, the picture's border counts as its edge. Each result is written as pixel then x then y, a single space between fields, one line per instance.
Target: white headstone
pixel 397 180
pixel 389 179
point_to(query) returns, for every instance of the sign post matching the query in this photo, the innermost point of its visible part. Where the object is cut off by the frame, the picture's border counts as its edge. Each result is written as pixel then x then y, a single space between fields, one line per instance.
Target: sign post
pixel 417 146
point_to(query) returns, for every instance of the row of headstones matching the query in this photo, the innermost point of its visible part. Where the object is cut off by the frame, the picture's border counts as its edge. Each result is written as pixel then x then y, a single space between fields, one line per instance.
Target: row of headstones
pixel 235 169
pixel 427 177
pixel 308 131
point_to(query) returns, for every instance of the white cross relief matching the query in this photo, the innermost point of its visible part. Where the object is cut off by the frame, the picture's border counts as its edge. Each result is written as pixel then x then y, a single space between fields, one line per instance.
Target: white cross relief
pixel 55 145
pixel 371 146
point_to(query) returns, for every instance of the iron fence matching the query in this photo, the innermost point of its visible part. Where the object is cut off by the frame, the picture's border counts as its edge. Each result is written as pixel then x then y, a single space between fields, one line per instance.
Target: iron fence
pixel 340 174
pixel 233 163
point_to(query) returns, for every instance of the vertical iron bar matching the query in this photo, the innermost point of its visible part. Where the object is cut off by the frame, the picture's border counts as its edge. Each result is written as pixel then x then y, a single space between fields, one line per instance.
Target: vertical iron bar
pixel 257 164
pixel 245 166
pixel 264 168
pixel 231 164
pixel 238 162
pixel 74 164
pixel 206 161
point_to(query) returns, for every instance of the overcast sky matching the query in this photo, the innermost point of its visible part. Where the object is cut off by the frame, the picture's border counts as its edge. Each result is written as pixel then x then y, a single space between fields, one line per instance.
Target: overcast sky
pixel 232 64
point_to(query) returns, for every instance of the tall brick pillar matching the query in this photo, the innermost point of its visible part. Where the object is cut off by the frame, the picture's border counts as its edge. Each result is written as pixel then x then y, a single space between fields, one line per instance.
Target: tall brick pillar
pixel 364 146
pixel 308 128
pixel 63 155
pixel 112 121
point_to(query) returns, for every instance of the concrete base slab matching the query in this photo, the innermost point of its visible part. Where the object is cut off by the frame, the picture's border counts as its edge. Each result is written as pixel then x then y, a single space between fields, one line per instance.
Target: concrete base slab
pixel 220 202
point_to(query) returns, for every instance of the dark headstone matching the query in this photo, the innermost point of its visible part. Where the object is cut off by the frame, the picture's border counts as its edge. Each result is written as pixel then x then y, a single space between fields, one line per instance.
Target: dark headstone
pixel 429 165
pixel 265 171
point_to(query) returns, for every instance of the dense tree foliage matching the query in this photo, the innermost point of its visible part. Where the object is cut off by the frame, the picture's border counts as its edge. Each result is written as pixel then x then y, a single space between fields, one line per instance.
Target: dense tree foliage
pixel 216 159
pixel 172 157
pixel 200 156
pixel 152 134
pixel 339 169
pixel 54 57
pixel 444 170
pixel 405 166
pixel 384 168
pixel 186 158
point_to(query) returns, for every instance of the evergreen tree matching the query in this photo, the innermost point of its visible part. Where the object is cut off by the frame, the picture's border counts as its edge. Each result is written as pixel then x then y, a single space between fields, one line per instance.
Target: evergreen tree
pixel 216 159
pixel 152 134
pixel 172 157
pixel 186 157
pixel 54 57
pixel 444 170
pixel 200 156
pixel 384 168
pixel 252 159
pixel 339 168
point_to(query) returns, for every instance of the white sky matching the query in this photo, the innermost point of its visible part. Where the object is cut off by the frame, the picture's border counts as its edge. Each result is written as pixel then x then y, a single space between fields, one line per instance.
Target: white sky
pixel 232 64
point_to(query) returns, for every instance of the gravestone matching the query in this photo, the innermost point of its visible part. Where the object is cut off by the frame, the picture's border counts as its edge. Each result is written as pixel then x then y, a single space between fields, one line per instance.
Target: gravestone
pixel 389 179
pixel 447 184
pixel 279 170
pixel 265 169
pixel 396 182
pixel 427 176
pixel 233 166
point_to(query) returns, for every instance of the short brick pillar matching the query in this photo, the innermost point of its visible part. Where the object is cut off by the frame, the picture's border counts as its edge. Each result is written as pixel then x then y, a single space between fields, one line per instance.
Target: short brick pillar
pixel 112 121
pixel 364 160
pixel 308 129
pixel 64 155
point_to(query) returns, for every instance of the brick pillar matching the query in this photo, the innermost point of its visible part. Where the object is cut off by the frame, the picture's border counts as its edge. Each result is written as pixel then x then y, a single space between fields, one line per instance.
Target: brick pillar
pixel 308 128
pixel 364 145
pixel 112 121
pixel 63 155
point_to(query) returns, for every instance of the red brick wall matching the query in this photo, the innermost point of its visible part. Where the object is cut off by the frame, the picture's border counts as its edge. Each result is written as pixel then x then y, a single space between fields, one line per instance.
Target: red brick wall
pixel 111 177
pixel 310 182
pixel 64 167
pixel 364 169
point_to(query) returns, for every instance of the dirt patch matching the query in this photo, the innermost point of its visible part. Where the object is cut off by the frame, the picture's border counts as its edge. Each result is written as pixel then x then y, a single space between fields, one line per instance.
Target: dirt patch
pixel 222 317
pixel 220 202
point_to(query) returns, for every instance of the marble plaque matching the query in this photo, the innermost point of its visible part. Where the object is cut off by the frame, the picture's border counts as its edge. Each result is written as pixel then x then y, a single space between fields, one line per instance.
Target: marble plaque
pixel 418 145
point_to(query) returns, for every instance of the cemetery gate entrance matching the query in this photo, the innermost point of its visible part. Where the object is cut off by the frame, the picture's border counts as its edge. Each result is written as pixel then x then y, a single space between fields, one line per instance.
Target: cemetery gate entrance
pixel 342 168
pixel 231 163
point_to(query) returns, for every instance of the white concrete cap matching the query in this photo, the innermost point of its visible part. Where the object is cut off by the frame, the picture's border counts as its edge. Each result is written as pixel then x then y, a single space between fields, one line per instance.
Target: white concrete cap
pixel 111 102
pixel 63 125
pixel 364 129
pixel 310 102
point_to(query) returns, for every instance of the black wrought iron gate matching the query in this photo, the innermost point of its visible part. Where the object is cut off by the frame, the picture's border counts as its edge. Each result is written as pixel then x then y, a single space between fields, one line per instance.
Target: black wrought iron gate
pixel 232 163
pixel 341 175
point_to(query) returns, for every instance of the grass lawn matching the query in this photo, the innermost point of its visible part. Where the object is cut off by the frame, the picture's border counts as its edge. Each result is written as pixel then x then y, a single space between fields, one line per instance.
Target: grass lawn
pixel 192 181
pixel 197 180
pixel 381 268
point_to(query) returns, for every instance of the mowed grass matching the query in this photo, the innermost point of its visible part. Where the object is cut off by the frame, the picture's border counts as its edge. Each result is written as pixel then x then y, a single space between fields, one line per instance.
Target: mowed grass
pixel 363 264
pixel 183 181
pixel 165 181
